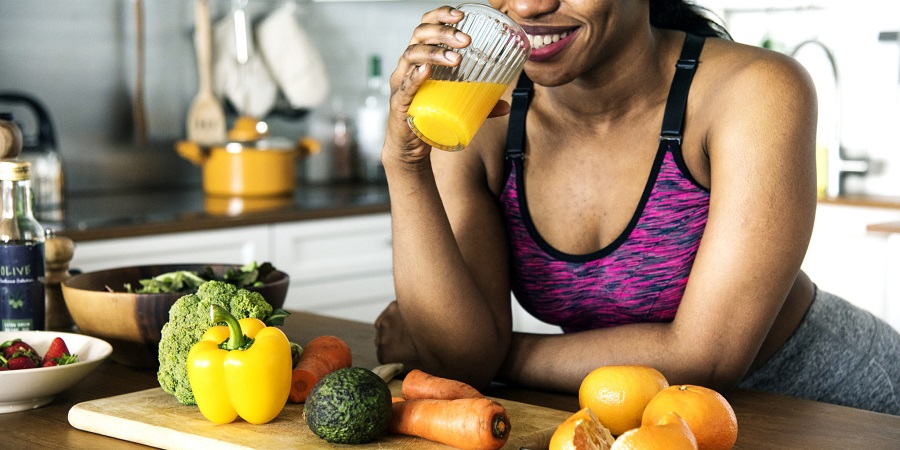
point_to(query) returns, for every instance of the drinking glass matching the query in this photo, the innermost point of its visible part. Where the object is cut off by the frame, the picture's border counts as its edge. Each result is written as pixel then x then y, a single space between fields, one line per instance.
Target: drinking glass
pixel 452 105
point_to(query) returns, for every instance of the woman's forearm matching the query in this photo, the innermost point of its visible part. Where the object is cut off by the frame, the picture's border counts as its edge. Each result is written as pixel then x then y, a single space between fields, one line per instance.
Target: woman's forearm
pixel 445 312
pixel 560 362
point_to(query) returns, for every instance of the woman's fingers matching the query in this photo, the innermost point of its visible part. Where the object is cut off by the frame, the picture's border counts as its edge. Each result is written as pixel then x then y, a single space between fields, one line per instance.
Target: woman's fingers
pixel 432 43
pixel 440 18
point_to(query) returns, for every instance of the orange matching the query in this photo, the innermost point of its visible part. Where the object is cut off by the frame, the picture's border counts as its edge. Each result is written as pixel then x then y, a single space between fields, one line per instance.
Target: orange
pixel 581 431
pixel 709 415
pixel 670 433
pixel 618 394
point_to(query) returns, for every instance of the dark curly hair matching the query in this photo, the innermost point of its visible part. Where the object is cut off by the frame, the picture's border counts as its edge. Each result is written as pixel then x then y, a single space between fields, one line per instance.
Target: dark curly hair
pixel 685 16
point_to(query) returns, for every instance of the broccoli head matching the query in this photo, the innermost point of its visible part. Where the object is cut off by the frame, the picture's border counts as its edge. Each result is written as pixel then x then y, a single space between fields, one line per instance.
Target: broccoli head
pixel 189 319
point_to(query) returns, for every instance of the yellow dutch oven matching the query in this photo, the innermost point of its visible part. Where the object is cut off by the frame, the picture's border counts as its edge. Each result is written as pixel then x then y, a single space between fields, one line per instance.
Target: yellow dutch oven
pixel 251 164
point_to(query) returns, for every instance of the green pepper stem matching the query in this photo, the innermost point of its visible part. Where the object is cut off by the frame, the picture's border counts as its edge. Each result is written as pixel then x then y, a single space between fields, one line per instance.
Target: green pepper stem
pixel 236 338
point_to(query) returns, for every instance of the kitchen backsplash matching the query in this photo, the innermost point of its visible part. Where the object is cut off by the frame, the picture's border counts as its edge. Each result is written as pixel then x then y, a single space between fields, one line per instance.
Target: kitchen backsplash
pixel 79 59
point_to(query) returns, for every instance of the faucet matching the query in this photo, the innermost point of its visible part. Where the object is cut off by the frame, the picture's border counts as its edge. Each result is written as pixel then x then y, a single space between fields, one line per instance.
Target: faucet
pixel 838 165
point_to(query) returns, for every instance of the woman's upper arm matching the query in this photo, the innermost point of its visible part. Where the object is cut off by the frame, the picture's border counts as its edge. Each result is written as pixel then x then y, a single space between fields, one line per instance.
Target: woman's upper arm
pixel 761 149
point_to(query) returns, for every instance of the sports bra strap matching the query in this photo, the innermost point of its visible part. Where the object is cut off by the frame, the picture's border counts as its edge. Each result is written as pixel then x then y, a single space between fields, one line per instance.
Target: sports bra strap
pixel 515 132
pixel 673 117
pixel 676 104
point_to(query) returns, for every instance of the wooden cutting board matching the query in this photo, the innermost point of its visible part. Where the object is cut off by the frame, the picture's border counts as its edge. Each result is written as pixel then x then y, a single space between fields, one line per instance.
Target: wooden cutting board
pixel 153 417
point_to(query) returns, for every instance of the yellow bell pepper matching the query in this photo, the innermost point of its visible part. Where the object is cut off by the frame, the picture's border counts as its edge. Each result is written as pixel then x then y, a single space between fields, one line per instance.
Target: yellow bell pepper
pixel 242 369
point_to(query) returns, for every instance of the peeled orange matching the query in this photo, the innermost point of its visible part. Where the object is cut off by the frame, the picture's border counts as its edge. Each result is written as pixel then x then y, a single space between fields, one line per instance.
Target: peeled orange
pixel 706 412
pixel 581 431
pixel 670 433
pixel 618 394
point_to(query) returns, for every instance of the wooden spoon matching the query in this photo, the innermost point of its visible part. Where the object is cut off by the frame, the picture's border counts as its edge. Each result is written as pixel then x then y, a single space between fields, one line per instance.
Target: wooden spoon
pixel 206 118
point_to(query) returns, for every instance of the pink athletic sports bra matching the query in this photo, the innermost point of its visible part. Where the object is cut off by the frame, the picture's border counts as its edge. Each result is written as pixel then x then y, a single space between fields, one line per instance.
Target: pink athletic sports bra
pixel 642 274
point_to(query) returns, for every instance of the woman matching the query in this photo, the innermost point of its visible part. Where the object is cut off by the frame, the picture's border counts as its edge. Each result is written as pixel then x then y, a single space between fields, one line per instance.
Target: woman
pixel 652 232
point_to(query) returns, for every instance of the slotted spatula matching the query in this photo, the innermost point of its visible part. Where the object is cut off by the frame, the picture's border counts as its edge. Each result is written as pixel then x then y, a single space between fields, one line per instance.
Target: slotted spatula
pixel 206 118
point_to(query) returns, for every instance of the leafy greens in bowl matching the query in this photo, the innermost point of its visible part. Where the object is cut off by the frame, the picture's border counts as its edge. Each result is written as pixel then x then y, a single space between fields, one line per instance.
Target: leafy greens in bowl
pixel 187 281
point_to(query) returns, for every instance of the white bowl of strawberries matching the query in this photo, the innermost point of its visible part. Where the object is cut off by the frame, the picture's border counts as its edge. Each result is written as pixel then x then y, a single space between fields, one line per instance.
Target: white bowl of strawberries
pixel 35 366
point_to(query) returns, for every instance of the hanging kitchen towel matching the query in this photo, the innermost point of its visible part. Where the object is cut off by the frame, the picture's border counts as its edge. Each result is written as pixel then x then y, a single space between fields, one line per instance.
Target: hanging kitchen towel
pixel 249 87
pixel 293 60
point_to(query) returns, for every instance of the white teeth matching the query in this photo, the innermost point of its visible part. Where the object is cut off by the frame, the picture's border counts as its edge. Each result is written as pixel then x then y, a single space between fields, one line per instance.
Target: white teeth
pixel 546 39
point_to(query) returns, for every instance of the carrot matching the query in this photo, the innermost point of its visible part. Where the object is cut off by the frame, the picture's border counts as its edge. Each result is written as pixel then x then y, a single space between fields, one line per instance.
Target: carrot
pixel 418 384
pixel 466 423
pixel 321 356
pixel 395 399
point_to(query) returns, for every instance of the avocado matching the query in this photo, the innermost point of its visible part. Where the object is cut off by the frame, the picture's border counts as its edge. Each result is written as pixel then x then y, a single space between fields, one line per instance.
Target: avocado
pixel 349 406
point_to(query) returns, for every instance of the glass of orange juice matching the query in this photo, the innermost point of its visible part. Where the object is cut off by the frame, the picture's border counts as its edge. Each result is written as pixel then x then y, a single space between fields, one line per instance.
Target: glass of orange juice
pixel 450 106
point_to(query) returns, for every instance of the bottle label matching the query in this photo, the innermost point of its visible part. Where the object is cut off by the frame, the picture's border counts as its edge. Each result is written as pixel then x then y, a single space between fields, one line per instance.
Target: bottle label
pixel 22 286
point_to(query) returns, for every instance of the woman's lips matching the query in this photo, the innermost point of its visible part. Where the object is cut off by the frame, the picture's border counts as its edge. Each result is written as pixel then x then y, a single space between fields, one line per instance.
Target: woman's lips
pixel 547 44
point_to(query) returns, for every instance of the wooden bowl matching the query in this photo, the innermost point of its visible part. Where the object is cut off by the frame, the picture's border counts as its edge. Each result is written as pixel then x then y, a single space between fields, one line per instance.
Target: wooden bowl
pixel 131 322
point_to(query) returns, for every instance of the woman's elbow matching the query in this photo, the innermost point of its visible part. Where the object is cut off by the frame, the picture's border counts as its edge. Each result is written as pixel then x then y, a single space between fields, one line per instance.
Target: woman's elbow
pixel 715 368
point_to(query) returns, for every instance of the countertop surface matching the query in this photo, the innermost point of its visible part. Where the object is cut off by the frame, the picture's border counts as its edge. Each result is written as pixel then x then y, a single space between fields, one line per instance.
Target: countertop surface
pixel 139 213
pixel 866 201
pixel 765 421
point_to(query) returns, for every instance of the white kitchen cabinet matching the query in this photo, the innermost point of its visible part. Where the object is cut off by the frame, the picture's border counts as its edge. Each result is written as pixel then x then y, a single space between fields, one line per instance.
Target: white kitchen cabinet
pixel 231 245
pixel 847 260
pixel 339 267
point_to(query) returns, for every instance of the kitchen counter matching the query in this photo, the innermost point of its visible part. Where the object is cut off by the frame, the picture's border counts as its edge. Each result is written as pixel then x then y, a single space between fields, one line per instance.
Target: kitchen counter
pixel 139 213
pixel 110 215
pixel 870 201
pixel 765 421
pixel 888 227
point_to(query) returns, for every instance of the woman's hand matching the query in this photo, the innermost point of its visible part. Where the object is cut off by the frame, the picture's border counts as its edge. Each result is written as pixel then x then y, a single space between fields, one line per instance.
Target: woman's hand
pixel 392 343
pixel 428 47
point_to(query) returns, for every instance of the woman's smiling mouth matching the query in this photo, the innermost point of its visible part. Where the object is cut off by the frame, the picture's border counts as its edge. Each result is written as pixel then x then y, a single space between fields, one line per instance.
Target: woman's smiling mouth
pixel 546 43
pixel 546 39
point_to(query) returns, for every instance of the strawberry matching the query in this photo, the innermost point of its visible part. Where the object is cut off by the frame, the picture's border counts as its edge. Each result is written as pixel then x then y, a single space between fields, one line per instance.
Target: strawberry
pixel 20 355
pixel 15 345
pixel 58 354
pixel 23 359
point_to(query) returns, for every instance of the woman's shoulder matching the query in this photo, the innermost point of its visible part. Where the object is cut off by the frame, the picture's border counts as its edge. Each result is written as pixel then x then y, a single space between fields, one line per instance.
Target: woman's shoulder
pixel 738 84
pixel 735 71
pixel 749 98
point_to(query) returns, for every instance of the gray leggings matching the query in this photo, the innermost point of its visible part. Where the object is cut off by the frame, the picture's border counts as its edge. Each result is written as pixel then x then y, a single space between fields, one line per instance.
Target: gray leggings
pixel 839 354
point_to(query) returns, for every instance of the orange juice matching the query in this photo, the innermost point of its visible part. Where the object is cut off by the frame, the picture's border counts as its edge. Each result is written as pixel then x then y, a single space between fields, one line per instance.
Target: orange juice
pixel 446 114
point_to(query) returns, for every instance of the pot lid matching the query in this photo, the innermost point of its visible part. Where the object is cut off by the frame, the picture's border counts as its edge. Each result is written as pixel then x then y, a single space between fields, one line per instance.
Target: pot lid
pixel 250 133
pixel 273 145
pixel 248 129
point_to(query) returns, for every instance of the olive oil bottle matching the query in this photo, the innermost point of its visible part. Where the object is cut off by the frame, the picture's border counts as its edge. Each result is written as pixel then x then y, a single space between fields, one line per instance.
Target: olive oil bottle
pixel 22 281
pixel 371 123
